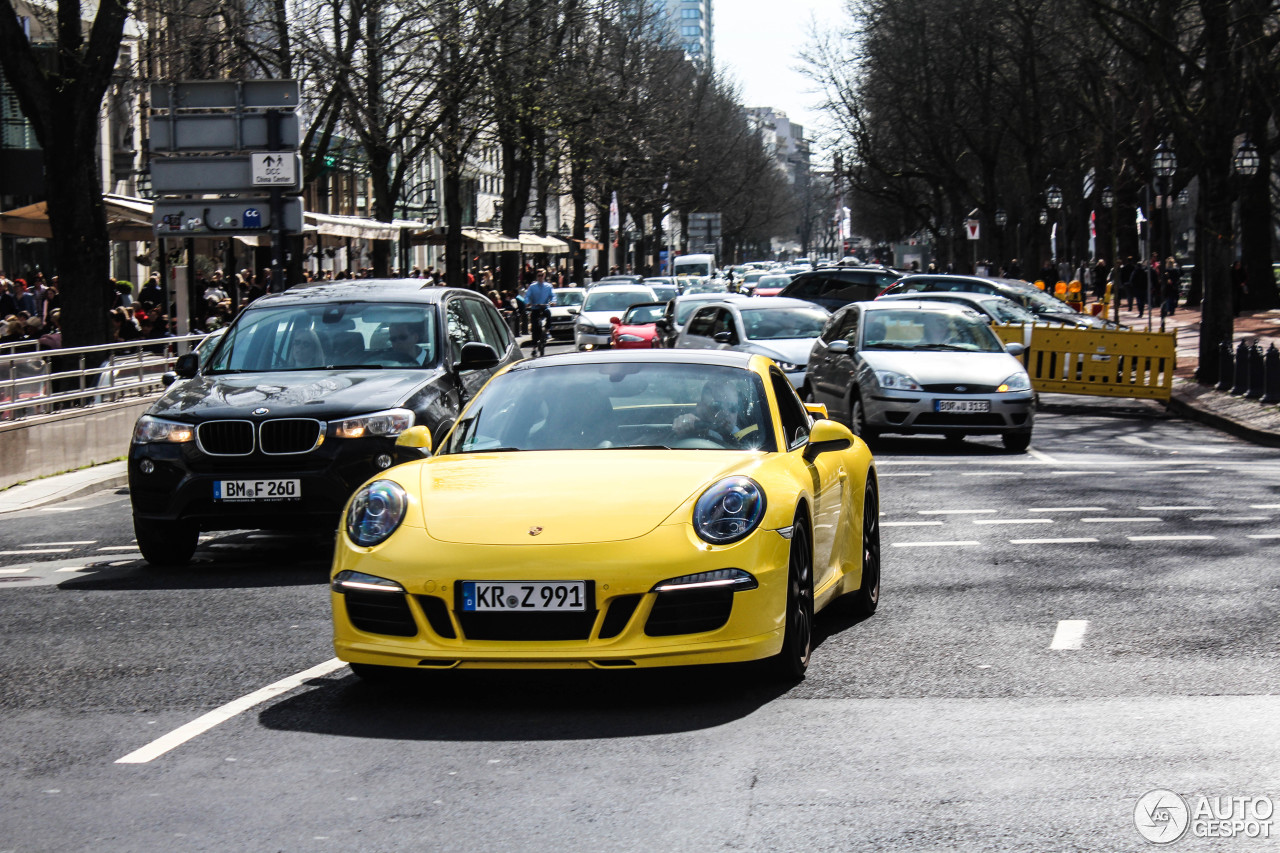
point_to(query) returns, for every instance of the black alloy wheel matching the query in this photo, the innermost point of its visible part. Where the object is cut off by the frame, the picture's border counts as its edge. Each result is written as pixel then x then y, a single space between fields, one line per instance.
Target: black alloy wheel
pixel 166 543
pixel 797 643
pixel 867 598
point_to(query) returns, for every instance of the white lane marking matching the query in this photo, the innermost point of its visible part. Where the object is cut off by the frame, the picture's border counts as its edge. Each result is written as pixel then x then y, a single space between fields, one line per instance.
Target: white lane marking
pixel 934 544
pixel 50 544
pixel 955 511
pixel 1042 456
pixel 993 474
pixel 1013 521
pixel 1067 509
pixel 14 571
pixel 910 523
pixel 1200 448
pixel 1076 541
pixel 903 474
pixel 1116 520
pixel 1070 634
pixel 1174 508
pixel 73 569
pixel 1231 518
pixel 1079 473
pixel 1264 535
pixel 58 509
pixel 1181 471
pixel 118 548
pixel 929 462
pixel 35 551
pixel 202 724
pixel 1264 506
pixel 1170 538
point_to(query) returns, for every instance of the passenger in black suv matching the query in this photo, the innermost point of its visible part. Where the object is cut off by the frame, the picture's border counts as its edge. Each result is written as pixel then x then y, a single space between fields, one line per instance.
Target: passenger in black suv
pixel 301 401
pixel 835 287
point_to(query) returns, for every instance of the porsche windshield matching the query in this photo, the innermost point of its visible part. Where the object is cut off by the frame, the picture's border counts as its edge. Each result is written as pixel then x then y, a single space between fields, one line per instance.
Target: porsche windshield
pixel 617 405
pixel 328 336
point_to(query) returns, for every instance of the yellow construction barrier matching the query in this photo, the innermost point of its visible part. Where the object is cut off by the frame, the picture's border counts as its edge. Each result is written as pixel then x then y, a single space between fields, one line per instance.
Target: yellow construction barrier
pixel 1099 362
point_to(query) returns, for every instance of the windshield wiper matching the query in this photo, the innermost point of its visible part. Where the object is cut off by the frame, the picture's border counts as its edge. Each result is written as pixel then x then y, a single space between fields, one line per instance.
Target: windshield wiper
pixel 887 345
pixel 637 447
pixel 492 450
pixel 944 347
pixel 353 367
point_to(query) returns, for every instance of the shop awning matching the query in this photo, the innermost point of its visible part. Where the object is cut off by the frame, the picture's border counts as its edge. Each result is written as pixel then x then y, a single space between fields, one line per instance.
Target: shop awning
pixel 487 239
pixel 537 244
pixel 333 225
pixel 127 219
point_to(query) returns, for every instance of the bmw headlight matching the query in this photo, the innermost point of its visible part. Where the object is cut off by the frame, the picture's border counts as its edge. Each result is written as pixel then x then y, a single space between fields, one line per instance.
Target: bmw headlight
pixel 376 511
pixel 891 381
pixel 149 430
pixel 1019 381
pixel 729 510
pixel 386 424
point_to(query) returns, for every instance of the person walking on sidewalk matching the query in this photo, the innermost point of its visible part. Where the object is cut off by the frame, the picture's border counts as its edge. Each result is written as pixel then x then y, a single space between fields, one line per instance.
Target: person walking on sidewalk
pixel 1170 289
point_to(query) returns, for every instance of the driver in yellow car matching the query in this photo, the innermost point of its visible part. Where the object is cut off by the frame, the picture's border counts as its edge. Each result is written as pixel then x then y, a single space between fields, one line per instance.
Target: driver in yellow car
pixel 716 417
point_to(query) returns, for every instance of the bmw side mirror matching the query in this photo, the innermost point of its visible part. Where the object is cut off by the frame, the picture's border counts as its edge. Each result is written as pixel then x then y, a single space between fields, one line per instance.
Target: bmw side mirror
pixel 187 365
pixel 477 356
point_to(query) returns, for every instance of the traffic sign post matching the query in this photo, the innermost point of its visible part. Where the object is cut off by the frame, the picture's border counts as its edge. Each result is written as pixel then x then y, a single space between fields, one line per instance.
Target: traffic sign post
pixel 252 127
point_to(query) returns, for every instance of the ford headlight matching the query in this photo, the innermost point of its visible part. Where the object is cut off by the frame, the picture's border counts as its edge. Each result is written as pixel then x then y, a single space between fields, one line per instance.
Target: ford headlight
pixel 149 430
pixel 386 424
pixel 891 381
pixel 729 510
pixel 1019 381
pixel 376 511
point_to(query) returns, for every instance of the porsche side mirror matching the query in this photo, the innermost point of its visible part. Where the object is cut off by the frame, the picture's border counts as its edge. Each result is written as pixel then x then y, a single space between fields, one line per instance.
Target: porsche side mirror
pixel 825 437
pixel 477 356
pixel 417 437
pixel 187 365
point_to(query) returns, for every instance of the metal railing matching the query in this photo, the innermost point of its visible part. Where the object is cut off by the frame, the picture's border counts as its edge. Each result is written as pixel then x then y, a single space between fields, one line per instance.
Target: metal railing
pixel 41 382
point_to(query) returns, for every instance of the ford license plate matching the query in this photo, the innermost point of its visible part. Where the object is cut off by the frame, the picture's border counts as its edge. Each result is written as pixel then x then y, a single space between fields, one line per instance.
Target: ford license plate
pixel 257 490
pixel 962 406
pixel 523 596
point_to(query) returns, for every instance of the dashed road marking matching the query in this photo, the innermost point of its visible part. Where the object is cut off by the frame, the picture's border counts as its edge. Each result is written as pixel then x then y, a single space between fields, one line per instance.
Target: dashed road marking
pixel 118 548
pixel 994 474
pixel 935 544
pixel 34 551
pixel 1070 634
pixel 955 512
pixel 1170 538
pixel 1231 518
pixel 202 724
pixel 903 474
pixel 911 523
pixel 1264 535
pixel 1042 456
pixel 1117 520
pixel 1180 471
pixel 1067 509
pixel 1013 521
pixel 1176 508
pixel 1079 473
pixel 1080 540
pixel 51 544
pixel 14 571
pixel 1264 506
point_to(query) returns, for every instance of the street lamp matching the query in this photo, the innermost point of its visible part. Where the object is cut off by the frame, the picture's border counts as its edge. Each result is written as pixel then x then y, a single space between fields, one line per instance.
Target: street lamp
pixel 1001 219
pixel 539 222
pixel 1246 160
pixel 1164 163
pixel 1108 198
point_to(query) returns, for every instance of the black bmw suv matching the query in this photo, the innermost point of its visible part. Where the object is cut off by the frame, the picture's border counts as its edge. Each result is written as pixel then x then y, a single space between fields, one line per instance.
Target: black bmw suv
pixel 835 287
pixel 301 401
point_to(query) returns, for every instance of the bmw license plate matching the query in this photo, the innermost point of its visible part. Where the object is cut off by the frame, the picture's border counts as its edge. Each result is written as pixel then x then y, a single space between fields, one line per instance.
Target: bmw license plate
pixel 962 406
pixel 257 490
pixel 523 596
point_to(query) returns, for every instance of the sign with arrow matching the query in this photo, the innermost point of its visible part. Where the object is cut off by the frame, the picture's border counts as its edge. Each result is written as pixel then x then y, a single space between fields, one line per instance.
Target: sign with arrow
pixel 275 169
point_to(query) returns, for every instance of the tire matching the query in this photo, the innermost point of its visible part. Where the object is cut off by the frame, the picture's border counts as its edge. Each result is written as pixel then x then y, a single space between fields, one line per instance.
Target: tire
pixel 866 599
pixel 791 661
pixel 1016 442
pixel 858 419
pixel 955 437
pixel 166 543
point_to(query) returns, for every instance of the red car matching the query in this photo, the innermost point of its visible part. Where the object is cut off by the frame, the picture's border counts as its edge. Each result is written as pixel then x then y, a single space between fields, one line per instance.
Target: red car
pixel 636 329
pixel 771 285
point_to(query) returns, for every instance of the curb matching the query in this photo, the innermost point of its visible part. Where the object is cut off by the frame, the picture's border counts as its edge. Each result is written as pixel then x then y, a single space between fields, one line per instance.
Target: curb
pixel 1185 410
pixel 113 481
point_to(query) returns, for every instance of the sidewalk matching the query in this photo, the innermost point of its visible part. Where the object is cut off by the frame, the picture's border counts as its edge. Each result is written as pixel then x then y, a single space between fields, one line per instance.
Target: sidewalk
pixel 1239 416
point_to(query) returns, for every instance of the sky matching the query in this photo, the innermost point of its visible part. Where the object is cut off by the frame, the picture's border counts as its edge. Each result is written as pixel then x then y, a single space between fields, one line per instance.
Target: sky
pixel 758 42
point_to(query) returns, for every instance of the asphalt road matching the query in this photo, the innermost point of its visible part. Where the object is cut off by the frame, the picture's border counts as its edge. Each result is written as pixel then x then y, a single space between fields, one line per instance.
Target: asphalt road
pixel 1060 633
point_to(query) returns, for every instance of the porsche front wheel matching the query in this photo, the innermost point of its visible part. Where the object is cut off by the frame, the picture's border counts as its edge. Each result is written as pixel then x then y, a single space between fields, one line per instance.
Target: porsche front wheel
pixel 797 643
pixel 867 598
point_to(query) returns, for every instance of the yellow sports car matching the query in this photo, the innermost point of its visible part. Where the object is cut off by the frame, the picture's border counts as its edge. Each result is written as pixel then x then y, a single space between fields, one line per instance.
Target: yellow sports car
pixel 612 510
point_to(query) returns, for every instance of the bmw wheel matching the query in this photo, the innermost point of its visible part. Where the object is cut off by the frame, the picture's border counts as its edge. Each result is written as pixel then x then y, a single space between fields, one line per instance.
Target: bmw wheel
pixel 797 643
pixel 166 543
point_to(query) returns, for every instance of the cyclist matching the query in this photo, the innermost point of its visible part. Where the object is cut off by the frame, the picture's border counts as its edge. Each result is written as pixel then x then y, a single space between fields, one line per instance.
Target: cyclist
pixel 540 297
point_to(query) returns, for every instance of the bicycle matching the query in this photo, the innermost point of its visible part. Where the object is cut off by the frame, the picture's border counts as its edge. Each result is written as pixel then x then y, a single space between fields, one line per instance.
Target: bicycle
pixel 540 327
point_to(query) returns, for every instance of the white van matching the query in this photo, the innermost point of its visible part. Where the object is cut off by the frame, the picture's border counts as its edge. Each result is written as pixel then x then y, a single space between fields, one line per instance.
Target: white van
pixel 700 265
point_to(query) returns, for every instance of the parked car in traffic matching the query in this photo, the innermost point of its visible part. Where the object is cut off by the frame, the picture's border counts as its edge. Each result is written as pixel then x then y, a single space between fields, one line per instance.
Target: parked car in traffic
pixel 1047 307
pixel 594 326
pixel 771 285
pixel 302 400
pixel 836 287
pixel 678 311
pixel 1000 309
pixel 921 367
pixel 635 329
pixel 564 313
pixel 779 328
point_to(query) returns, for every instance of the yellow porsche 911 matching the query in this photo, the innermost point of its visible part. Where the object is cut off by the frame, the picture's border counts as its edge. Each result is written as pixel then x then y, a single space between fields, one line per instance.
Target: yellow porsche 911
pixel 612 510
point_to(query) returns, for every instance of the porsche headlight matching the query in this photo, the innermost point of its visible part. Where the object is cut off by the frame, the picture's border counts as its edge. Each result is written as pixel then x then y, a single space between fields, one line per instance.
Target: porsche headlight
pixel 891 381
pixel 729 510
pixel 734 579
pixel 376 511
pixel 1019 381
pixel 149 430
pixel 386 424
pixel 347 580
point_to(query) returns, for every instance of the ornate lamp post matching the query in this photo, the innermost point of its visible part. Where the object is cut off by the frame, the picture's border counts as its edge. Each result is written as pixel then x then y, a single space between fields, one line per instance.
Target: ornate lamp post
pixel 1053 198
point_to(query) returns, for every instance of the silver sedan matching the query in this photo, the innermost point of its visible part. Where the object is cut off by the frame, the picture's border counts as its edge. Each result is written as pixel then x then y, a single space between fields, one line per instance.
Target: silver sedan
pixel 921 367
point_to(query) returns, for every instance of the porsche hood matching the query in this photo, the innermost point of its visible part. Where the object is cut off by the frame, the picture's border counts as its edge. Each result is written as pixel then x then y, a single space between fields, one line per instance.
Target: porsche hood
pixel 561 497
